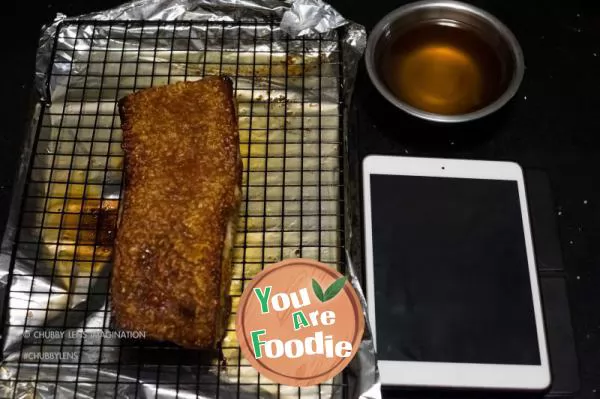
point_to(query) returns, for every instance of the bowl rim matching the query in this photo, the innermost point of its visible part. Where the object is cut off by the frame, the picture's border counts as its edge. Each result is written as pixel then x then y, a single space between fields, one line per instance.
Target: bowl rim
pixel 513 45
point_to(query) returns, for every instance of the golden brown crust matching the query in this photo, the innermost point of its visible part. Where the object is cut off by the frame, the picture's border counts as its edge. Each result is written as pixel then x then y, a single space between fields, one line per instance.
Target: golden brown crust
pixel 183 175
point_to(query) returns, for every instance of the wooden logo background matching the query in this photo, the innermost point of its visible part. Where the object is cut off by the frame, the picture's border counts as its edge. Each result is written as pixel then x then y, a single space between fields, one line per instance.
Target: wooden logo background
pixel 289 277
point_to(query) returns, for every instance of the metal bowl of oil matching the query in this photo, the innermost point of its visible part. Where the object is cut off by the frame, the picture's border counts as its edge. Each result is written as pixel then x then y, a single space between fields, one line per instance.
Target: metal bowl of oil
pixel 444 61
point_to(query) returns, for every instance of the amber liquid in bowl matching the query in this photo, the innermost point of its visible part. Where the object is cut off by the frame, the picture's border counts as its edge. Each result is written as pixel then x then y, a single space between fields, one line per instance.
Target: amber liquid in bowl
pixel 443 68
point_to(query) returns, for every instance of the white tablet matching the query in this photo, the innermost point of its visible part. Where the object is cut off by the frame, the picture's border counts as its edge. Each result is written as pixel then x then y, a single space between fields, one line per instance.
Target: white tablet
pixel 452 286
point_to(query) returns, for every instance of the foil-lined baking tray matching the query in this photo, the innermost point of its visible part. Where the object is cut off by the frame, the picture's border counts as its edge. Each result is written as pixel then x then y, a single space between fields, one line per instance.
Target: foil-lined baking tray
pixel 292 67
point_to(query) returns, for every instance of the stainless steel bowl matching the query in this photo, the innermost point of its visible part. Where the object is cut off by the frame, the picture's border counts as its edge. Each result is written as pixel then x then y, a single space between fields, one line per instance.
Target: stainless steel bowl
pixel 485 24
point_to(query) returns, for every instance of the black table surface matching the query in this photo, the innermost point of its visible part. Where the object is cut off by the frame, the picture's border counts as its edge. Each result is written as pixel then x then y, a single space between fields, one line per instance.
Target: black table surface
pixel 553 124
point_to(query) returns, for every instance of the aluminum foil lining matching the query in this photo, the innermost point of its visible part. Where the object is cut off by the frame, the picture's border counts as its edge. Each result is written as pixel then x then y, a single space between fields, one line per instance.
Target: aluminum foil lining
pixel 288 87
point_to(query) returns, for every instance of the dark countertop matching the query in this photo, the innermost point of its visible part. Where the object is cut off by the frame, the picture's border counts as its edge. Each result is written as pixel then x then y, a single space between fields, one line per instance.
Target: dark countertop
pixel 552 125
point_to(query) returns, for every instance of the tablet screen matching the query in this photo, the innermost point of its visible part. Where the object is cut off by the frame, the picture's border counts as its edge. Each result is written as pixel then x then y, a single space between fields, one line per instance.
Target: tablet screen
pixel 451 272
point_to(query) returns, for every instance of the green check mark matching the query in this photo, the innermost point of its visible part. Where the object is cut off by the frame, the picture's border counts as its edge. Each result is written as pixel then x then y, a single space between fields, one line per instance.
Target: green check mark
pixel 331 291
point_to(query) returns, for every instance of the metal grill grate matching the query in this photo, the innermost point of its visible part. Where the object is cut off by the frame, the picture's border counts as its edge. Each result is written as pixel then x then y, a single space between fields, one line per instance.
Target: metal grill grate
pixel 288 93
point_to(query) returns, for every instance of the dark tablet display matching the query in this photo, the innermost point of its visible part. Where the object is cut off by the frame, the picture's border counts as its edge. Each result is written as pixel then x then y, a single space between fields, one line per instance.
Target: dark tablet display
pixel 451 272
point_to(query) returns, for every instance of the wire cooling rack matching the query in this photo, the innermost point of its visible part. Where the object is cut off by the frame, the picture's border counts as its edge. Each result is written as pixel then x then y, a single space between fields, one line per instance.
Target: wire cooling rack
pixel 57 339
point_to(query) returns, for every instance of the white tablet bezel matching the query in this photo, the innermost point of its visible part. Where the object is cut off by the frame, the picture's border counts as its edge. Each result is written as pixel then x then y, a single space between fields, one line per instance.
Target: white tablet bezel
pixel 455 375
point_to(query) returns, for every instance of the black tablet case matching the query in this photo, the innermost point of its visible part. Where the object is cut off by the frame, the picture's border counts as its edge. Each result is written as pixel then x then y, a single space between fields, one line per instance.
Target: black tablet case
pixel 559 333
pixel 561 344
